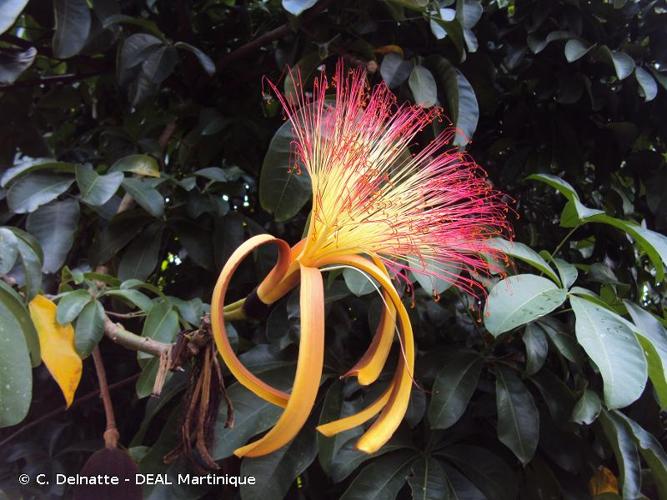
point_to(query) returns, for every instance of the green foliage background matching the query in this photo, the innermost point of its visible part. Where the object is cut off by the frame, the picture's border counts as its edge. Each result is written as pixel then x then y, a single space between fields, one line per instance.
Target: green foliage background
pixel 561 101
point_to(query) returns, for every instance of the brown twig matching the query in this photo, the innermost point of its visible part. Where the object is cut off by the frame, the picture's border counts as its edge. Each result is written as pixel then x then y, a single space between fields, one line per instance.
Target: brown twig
pixel 111 435
pixel 270 36
pixel 118 334
pixel 76 402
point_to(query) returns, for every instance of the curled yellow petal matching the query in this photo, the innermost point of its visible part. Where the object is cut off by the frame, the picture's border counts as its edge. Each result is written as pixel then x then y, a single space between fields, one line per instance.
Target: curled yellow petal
pixel 308 369
pixel 270 291
pixel 242 374
pixel 344 424
pixel 392 414
pixel 56 342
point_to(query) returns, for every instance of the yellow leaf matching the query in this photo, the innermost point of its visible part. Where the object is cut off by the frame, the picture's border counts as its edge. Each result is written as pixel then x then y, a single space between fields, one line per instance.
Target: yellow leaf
pixel 386 49
pixel 57 345
pixel 603 481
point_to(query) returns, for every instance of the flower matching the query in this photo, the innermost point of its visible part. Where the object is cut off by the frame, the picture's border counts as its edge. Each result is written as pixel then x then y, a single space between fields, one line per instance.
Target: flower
pixel 381 209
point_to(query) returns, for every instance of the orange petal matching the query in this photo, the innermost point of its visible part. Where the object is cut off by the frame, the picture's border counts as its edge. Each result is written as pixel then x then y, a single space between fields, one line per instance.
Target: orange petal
pixel 270 291
pixel 56 342
pixel 242 374
pixel 369 367
pixel 308 369
pixel 392 414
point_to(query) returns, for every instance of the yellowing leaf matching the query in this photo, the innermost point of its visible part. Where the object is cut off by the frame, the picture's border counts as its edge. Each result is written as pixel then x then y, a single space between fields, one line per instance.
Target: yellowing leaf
pixel 603 481
pixel 387 49
pixel 57 345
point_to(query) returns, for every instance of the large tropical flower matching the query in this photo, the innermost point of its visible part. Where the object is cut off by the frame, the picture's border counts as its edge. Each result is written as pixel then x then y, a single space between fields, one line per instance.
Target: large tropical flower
pixel 379 207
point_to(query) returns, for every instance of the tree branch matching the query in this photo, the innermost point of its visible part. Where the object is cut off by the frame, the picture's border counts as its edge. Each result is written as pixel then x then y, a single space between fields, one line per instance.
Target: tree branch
pixel 270 36
pixel 118 334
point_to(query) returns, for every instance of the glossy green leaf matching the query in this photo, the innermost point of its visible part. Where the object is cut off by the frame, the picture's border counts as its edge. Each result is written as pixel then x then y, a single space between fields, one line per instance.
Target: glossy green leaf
pixel 587 409
pixel 54 225
pixel 519 299
pixel 15 368
pixel 647 83
pixel 30 192
pixel 31 257
pixel 141 257
pixel 537 44
pixel 423 87
pixel 89 328
pixel 614 349
pixel 426 273
pixel 395 70
pixel 14 63
pixel 518 419
pixel 9 252
pixel 97 189
pixel 296 7
pixel 143 165
pixel 537 348
pixel 525 254
pixel 626 453
pixel 428 480
pixel 358 282
pixel 72 26
pixel 454 385
pixel 622 63
pixel 204 60
pixel 568 272
pixel 282 190
pixel 145 195
pixel 9 12
pixel 382 479
pixel 132 297
pixel 279 469
pixel 461 107
pixel 14 305
pixel 160 64
pixel 575 49
pixel 71 304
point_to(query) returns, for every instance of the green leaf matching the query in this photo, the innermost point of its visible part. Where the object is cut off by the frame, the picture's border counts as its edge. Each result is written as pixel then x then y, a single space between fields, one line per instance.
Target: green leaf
pixel 14 63
pixel 89 328
pixel 15 368
pixel 623 64
pixel 520 299
pixel 460 487
pixel 133 297
pixel 27 167
pixel 453 387
pixel 28 193
pixel 462 106
pixel 161 323
pixel 518 419
pixel 97 189
pixel 296 7
pixel 252 415
pixel 358 282
pixel 141 256
pixel 134 51
pixel 625 451
pixel 160 64
pixel 651 451
pixel 568 272
pixel 279 469
pixel 8 250
pixel 563 187
pixel 537 45
pixel 334 408
pixel 428 480
pixel 614 349
pixel 486 471
pixel 71 304
pixel 647 83
pixel 31 258
pixel 13 305
pixel 143 165
pixel 54 226
pixel 9 12
pixel 576 49
pixel 382 479
pixel 206 62
pixel 653 338
pixel 145 195
pixel 537 348
pixel 72 26
pixel 424 271
pixel 423 87
pixel 395 70
pixel 282 191
pixel 587 409
pixel 122 229
pixel 525 254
